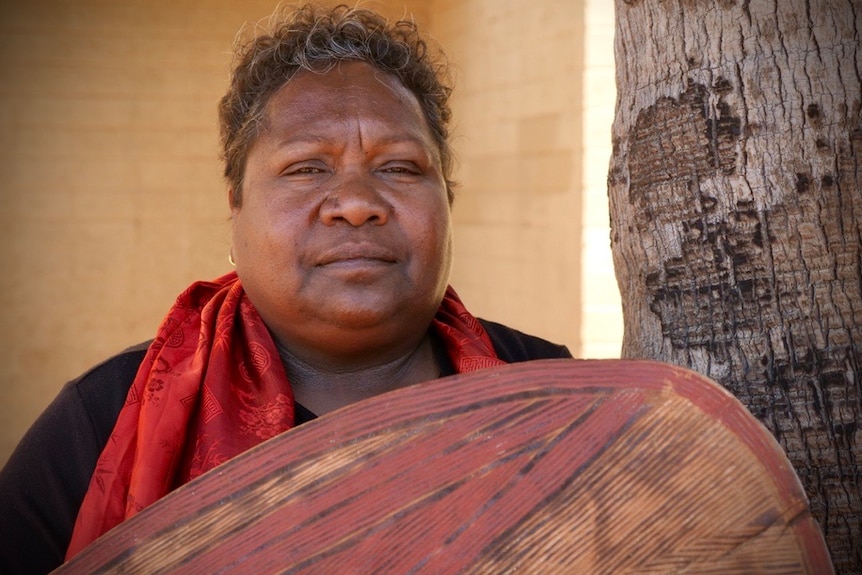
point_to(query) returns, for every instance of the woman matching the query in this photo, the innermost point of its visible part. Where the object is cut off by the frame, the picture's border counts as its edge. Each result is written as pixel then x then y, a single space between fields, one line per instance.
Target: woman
pixel 335 141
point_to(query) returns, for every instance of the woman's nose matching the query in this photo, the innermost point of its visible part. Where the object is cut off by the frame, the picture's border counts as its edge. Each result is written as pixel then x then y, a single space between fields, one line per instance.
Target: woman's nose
pixel 356 200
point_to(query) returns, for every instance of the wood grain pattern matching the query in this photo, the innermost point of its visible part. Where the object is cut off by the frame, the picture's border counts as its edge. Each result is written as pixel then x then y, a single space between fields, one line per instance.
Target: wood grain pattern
pixel 556 466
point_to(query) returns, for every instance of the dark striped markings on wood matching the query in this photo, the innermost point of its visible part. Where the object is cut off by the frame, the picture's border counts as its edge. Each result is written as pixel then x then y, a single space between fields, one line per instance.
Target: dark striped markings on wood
pixel 557 466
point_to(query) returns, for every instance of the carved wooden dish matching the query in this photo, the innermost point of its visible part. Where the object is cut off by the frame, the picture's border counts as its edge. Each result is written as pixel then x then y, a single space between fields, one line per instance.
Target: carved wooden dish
pixel 558 466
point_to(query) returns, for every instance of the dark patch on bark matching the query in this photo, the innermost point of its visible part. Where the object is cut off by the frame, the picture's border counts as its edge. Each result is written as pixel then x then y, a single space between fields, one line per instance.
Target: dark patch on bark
pixel 692 4
pixel 717 279
pixel 678 141
pixel 722 86
pixel 618 174
pixel 803 183
pixel 813 111
pixel 757 236
pixel 676 144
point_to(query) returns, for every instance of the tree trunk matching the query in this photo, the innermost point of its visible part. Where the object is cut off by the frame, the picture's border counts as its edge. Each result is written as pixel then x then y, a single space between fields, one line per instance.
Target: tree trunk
pixel 736 214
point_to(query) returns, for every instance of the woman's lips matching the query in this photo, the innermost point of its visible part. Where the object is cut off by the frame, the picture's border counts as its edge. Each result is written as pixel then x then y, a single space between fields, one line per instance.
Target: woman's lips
pixel 348 255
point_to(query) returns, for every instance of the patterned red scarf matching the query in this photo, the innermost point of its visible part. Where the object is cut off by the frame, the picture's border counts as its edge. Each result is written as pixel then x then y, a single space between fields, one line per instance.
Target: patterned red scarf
pixel 211 386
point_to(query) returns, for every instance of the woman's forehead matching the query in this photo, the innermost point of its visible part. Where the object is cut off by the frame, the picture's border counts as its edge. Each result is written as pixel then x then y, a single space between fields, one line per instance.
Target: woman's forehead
pixel 344 82
pixel 349 92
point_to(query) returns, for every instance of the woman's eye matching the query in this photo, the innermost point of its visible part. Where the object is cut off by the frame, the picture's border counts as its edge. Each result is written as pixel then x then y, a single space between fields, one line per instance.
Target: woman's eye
pixel 401 169
pixel 303 170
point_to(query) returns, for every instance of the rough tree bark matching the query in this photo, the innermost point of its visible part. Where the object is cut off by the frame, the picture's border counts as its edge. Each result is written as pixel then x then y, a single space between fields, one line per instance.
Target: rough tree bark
pixel 736 212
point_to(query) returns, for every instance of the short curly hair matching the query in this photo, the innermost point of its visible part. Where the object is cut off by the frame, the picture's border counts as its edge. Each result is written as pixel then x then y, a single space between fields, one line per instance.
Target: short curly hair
pixel 317 39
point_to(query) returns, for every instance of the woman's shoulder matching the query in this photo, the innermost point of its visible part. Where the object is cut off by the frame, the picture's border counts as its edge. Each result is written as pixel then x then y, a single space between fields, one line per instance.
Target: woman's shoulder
pixel 103 388
pixel 513 346
pixel 86 408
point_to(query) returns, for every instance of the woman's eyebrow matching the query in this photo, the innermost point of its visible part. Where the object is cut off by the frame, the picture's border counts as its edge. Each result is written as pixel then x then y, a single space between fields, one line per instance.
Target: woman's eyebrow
pixel 405 138
pixel 304 139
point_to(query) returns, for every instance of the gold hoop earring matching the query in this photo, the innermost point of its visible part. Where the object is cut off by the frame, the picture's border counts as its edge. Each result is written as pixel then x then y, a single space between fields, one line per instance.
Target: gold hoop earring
pixel 230 258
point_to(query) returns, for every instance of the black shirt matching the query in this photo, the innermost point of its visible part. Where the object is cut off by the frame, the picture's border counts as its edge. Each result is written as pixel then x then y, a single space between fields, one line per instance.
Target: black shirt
pixel 44 482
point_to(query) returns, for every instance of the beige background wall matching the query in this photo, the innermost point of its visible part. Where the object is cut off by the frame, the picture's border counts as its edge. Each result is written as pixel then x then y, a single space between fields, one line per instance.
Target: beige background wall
pixel 112 200
pixel 518 214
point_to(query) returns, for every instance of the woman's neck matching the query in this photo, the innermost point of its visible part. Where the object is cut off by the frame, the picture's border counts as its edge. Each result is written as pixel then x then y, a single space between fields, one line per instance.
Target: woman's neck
pixel 322 388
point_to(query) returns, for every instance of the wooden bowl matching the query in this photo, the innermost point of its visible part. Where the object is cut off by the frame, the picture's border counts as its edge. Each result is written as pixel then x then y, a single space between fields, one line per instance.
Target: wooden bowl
pixel 557 466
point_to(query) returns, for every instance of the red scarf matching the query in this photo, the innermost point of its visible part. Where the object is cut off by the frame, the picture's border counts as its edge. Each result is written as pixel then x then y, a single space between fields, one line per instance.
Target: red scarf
pixel 211 386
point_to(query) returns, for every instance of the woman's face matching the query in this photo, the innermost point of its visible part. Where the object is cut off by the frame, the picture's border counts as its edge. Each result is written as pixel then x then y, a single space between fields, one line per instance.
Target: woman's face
pixel 343 240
